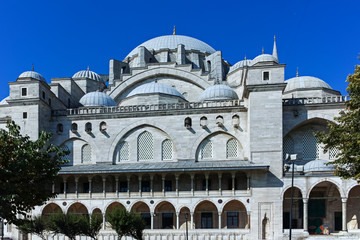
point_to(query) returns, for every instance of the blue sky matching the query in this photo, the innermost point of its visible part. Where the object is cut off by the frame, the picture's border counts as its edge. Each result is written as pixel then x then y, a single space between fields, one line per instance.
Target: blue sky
pixel 322 38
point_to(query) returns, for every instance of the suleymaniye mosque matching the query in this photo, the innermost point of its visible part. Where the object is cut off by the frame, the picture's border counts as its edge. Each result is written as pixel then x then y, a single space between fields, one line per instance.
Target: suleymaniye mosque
pixel 179 135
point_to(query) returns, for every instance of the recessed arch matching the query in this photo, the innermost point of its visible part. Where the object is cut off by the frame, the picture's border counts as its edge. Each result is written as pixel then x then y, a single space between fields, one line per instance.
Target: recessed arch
pixel 164 216
pixel 234 215
pixel 353 208
pixel 144 210
pixel 78 208
pixel 297 212
pixel 206 215
pixel 51 208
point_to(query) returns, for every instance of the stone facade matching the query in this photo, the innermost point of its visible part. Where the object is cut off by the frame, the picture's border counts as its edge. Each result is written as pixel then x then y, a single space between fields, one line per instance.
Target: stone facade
pixel 216 164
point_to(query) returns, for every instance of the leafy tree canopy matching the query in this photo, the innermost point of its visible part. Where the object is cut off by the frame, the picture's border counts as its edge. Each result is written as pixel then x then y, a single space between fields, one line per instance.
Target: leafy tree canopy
pixel 36 225
pixel 27 170
pixel 344 133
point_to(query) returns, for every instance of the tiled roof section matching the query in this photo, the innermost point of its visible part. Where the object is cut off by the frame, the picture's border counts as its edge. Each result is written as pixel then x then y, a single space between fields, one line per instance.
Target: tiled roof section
pixel 181 166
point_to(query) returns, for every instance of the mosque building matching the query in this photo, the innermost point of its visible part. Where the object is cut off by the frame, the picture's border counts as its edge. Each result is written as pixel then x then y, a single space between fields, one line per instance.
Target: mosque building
pixel 181 136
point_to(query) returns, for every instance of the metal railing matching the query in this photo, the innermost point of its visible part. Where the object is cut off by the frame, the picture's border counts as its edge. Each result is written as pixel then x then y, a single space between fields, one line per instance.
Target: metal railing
pixel 145 108
pixel 315 100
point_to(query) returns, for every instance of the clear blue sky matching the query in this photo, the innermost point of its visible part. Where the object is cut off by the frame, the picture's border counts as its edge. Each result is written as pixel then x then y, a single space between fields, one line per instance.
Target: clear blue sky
pixel 322 38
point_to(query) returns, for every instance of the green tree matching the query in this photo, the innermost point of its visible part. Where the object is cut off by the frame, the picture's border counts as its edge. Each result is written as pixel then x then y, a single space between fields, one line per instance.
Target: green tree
pixel 36 225
pixel 91 225
pixel 126 223
pixel 70 224
pixel 27 170
pixel 344 133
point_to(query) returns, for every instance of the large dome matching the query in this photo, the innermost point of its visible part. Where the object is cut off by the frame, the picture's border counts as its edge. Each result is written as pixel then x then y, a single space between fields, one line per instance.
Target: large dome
pixel 218 93
pixel 32 74
pixel 87 74
pixel 155 87
pixel 93 99
pixel 305 82
pixel 172 42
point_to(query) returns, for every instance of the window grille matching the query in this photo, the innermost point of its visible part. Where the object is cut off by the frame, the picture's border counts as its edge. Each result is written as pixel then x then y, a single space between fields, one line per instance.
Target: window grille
pixel 167 149
pixel 232 148
pixel 206 149
pixel 288 146
pixel 123 152
pixel 68 157
pixel 333 152
pixel 310 146
pixel 145 146
pixel 86 153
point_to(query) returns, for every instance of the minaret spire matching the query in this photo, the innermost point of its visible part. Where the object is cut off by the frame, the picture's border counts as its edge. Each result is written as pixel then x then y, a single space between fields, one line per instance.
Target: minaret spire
pixel 275 53
pixel 32 67
pixel 262 50
pixel 297 72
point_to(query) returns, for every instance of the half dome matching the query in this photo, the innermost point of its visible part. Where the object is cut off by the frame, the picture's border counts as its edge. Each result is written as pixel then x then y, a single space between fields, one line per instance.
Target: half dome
pixel 155 87
pixel 32 74
pixel 218 92
pixel 305 82
pixel 172 42
pixel 240 64
pixel 87 74
pixel 93 99
pixel 318 165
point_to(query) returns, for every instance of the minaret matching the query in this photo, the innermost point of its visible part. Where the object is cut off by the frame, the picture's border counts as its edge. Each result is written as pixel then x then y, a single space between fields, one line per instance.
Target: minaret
pixel 275 53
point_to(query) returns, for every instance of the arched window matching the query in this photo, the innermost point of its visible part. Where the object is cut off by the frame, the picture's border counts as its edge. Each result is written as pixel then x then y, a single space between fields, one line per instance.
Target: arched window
pixel 145 146
pixel 232 148
pixel 122 152
pixel 86 153
pixel 68 146
pixel 310 146
pixel 167 149
pixel 288 146
pixel 206 149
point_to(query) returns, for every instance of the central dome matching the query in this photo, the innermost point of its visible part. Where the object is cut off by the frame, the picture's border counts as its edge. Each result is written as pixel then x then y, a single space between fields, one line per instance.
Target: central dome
pixel 171 42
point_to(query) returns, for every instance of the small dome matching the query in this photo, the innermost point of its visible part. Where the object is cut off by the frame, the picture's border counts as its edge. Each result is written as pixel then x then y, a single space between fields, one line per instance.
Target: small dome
pixel 218 93
pixel 87 74
pixel 305 82
pixel 155 87
pixel 93 99
pixel 240 64
pixel 318 165
pixel 32 74
pixel 264 58
pixel 172 42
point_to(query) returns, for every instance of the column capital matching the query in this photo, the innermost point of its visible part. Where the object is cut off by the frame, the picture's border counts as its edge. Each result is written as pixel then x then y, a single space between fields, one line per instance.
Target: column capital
pixel 305 200
pixel 344 199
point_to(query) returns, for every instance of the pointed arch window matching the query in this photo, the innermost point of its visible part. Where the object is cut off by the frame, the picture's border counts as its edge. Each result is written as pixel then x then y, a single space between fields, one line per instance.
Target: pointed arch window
pixel 145 146
pixel 86 153
pixel 232 148
pixel 167 149
pixel 206 149
pixel 122 152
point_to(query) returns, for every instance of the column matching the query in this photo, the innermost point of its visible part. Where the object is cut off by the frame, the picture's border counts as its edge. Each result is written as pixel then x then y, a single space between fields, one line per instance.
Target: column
pixel 207 184
pixel 152 185
pixel 305 209
pixel 220 189
pixel 191 220
pixel 163 185
pixel 152 220
pixel 248 183
pixel 76 186
pixel 192 184
pixel 53 188
pixel 344 202
pixel 104 221
pixel 177 220
pixel 140 192
pixel 248 221
pixel 128 185
pixel 90 180
pixel 219 220
pixel 177 184
pixel 104 186
pixel 117 186
pixel 64 182
pixel 233 183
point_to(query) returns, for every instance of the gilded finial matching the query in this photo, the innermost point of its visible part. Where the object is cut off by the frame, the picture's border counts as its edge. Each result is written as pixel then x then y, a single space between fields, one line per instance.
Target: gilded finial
pixel 262 50
pixel 274 38
pixel 245 56
pixel 32 67
pixel 174 31
pixel 88 68
pixel 297 72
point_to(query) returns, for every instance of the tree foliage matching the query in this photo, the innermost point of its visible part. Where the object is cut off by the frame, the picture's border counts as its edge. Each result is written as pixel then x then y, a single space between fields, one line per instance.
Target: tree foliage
pixel 69 224
pixel 344 133
pixel 36 225
pixel 27 170
pixel 91 226
pixel 126 223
